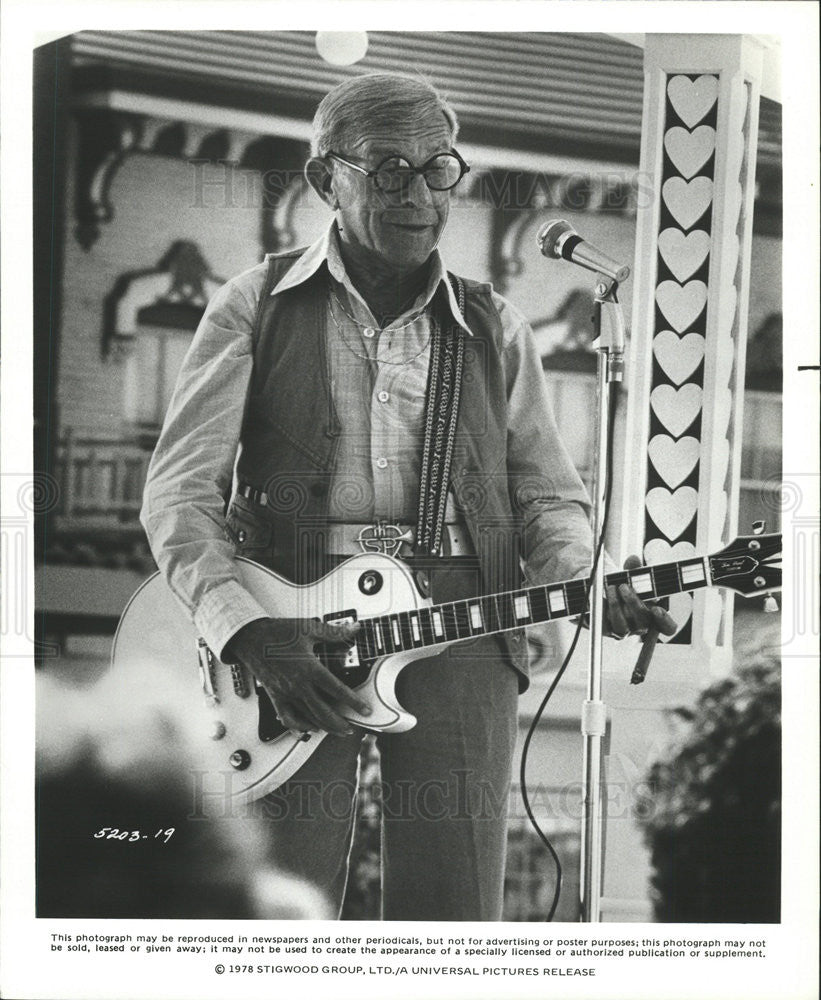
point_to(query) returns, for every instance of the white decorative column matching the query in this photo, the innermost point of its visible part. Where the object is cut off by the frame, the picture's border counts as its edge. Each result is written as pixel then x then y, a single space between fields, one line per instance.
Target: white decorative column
pixel 686 358
pixel 680 478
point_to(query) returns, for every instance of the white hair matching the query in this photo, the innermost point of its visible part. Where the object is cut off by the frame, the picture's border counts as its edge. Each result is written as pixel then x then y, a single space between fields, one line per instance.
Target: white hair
pixel 374 101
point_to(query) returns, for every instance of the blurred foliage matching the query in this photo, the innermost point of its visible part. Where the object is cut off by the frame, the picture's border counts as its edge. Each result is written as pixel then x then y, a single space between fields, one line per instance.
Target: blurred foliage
pixel 714 829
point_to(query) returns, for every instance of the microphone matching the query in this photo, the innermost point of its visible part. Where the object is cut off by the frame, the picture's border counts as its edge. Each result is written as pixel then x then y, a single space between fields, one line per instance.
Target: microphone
pixel 559 239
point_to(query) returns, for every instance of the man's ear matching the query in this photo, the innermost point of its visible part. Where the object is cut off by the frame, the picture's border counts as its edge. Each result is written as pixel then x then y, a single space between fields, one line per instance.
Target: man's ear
pixel 320 176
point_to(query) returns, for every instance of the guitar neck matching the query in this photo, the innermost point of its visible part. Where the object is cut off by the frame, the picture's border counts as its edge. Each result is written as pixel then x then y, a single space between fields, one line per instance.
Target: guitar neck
pixel 490 614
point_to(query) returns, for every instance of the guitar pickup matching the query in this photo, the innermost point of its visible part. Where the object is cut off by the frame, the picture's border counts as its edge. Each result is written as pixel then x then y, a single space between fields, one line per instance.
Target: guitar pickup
pixel 351 661
pixel 205 662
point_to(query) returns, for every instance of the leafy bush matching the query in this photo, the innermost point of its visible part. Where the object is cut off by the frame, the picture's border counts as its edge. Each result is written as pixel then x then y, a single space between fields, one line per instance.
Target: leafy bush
pixel 715 827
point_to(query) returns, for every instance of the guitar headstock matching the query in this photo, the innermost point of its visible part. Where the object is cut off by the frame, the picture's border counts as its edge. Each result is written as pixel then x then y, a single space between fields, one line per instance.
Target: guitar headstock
pixel 749 565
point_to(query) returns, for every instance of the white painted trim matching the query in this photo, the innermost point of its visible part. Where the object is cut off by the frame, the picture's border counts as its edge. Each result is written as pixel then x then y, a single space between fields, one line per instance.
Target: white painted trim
pixel 296 128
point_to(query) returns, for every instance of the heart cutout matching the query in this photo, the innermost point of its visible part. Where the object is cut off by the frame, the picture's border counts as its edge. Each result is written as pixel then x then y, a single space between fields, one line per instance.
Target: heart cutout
pixel 657 551
pixel 734 152
pixel 688 200
pixel 676 408
pixel 721 459
pixel 738 108
pixel 689 151
pixel 681 611
pixel 681 304
pixel 719 516
pixel 733 252
pixel 673 511
pixel 683 254
pixel 722 409
pixel 673 460
pixel 735 199
pixel 678 356
pixel 713 608
pixel 724 363
pixel 692 99
pixel 726 315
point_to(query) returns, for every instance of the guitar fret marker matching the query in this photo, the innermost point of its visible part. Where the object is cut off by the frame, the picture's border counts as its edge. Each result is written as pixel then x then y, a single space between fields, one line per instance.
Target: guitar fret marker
pixel 414 620
pixel 692 572
pixel 438 628
pixel 642 584
pixel 476 617
pixel 557 601
pixel 397 638
pixel 521 607
pixel 378 630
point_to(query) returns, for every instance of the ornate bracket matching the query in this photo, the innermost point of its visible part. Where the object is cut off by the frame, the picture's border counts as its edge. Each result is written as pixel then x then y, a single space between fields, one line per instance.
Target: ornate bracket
pixel 106 137
pixel 172 295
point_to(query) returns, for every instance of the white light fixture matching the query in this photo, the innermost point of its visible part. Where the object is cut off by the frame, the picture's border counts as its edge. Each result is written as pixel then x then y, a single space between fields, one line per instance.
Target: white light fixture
pixel 342 48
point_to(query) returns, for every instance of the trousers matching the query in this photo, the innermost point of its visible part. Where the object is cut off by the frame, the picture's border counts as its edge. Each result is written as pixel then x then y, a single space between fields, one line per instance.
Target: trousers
pixel 444 792
pixel 444 788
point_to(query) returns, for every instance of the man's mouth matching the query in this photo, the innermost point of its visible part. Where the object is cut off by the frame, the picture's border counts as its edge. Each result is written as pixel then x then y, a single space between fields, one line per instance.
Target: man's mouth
pixel 412 223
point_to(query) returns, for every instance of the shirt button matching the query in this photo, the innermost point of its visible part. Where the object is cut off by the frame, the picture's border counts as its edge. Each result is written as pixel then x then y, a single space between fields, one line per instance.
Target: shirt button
pixel 383 396
pixel 381 463
pixel 369 331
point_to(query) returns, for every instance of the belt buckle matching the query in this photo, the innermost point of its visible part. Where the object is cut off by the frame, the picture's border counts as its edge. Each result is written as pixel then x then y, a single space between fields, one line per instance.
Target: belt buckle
pixel 384 538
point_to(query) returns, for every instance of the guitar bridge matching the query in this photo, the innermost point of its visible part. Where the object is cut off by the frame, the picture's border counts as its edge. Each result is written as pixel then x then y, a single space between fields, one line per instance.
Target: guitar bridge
pixel 241 689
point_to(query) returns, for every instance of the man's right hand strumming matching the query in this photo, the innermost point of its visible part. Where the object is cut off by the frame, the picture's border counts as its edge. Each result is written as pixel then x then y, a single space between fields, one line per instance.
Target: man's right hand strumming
pixel 280 653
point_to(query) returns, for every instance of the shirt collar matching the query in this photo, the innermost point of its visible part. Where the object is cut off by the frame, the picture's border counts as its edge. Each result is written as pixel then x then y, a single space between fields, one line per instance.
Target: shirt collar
pixel 326 251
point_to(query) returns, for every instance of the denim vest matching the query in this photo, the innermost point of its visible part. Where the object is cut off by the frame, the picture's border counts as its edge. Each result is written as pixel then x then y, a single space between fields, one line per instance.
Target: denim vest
pixel 290 435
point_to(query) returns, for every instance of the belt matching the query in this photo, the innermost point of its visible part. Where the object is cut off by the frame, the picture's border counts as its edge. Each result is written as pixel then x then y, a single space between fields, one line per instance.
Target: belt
pixel 393 539
pixel 381 536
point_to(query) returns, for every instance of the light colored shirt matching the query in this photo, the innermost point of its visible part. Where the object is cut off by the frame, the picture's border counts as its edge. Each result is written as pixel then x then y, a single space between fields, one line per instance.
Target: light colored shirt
pixel 378 380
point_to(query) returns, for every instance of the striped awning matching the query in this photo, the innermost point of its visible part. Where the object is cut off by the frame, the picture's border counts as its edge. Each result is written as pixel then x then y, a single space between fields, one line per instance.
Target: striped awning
pixel 575 94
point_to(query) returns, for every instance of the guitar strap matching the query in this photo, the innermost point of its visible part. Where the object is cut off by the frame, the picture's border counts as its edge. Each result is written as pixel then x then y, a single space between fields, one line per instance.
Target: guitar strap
pixel 444 386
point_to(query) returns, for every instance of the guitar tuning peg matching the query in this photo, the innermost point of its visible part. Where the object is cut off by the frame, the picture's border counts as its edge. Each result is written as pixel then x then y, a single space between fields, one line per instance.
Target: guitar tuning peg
pixel 770 604
pixel 759 527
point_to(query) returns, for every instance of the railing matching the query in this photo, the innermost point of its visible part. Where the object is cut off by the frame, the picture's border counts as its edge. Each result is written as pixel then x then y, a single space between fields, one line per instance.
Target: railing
pixel 101 479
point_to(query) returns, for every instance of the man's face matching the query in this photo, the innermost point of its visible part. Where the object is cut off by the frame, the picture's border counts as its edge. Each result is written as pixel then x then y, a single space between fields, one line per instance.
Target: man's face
pixel 400 230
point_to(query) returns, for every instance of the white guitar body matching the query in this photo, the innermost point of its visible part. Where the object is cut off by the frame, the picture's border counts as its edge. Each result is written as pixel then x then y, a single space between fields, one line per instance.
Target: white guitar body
pixel 241 749
pixel 156 648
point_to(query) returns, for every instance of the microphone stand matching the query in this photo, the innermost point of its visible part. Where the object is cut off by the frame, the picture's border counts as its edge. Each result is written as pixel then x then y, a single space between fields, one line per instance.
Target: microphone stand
pixel 608 324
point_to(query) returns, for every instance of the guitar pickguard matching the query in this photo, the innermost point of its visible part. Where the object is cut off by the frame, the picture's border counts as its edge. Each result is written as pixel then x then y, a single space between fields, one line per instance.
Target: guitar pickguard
pixel 230 722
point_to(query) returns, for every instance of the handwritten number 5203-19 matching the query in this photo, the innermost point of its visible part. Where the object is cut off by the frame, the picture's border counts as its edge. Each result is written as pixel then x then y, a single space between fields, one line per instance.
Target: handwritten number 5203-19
pixel 131 836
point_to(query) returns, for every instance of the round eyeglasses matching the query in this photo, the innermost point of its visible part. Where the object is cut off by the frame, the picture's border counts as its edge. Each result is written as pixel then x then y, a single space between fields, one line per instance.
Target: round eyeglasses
pixel 441 172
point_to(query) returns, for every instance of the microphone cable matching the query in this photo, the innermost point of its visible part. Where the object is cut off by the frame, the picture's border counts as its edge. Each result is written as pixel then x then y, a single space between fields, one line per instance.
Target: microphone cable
pixel 599 545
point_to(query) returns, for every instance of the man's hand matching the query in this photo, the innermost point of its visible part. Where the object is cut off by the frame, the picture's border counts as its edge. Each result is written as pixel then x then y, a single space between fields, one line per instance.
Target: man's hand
pixel 627 614
pixel 279 652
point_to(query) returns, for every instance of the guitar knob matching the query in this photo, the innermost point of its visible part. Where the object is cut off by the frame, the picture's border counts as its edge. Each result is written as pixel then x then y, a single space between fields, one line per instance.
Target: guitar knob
pixel 770 604
pixel 239 760
pixel 370 582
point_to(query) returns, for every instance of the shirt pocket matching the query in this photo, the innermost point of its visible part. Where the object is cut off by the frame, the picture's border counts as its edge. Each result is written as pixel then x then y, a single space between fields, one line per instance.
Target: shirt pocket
pixel 249 530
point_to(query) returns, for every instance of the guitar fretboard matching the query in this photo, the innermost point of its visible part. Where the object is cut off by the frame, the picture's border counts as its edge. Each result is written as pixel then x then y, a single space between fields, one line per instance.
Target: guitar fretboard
pixel 502 612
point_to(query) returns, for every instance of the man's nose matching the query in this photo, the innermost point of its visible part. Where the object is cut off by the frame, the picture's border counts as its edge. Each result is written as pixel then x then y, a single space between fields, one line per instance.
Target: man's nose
pixel 416 191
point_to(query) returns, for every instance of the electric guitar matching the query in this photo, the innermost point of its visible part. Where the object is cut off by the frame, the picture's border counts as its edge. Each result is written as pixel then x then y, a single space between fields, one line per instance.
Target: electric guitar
pixel 244 749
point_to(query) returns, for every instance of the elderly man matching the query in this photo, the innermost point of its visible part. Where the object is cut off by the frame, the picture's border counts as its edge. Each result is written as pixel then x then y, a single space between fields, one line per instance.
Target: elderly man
pixel 305 390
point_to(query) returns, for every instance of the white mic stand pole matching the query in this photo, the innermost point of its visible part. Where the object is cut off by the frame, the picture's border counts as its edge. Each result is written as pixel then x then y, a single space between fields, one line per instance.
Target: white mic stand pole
pixel 609 330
